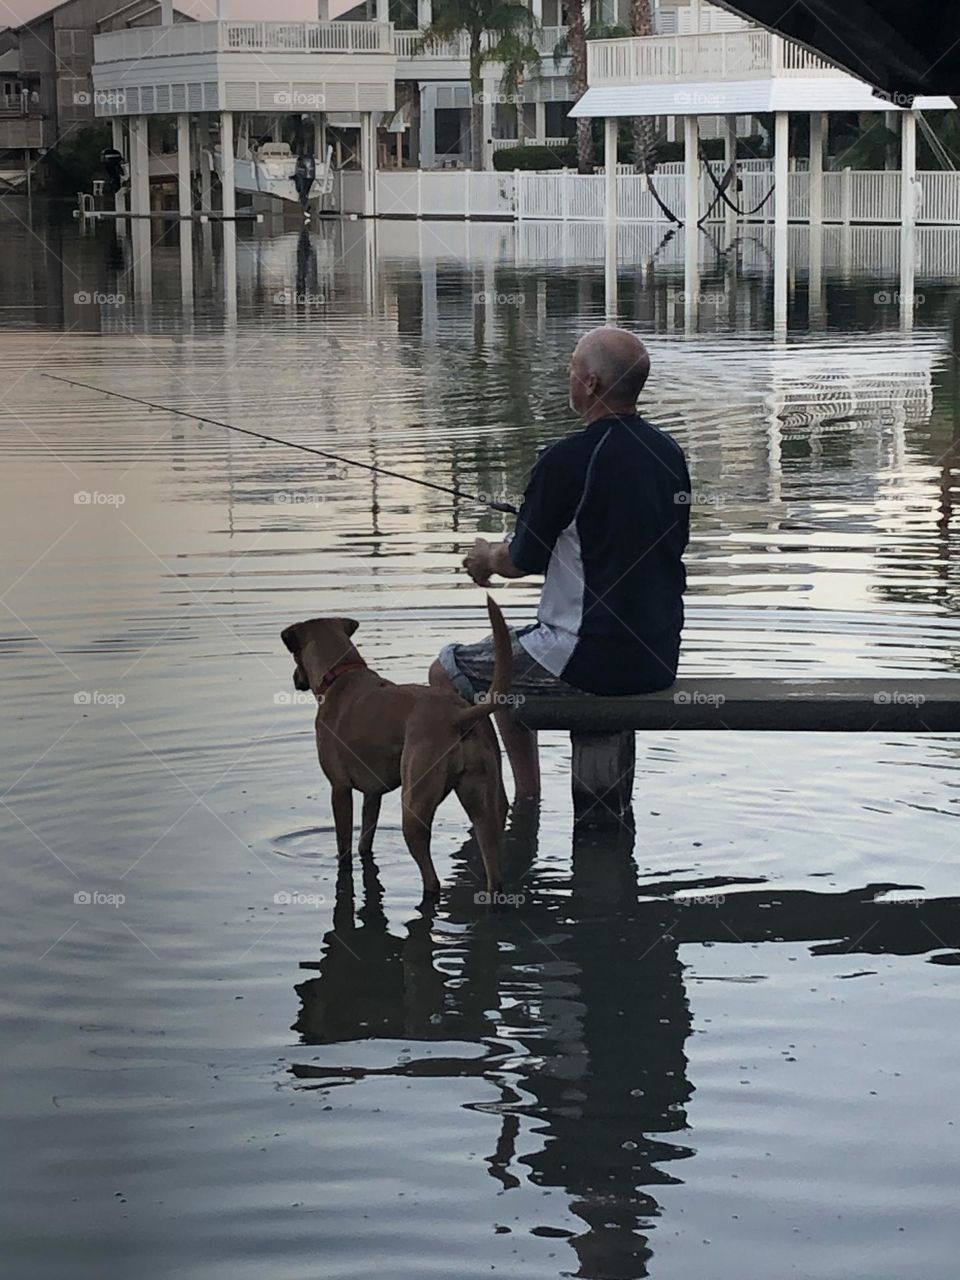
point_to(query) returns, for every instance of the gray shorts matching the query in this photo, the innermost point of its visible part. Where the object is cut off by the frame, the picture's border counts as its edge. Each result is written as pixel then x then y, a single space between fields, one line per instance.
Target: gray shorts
pixel 470 669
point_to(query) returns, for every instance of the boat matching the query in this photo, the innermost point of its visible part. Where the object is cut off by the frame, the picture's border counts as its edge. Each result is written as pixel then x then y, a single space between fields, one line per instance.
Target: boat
pixel 271 169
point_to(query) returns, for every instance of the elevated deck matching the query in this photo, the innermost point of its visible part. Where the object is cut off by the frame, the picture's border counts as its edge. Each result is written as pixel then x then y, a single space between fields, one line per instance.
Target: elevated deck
pixel 245 66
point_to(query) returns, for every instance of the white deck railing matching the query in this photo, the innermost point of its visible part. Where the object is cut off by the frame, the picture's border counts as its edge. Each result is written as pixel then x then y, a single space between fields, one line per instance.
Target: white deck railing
pixel 407 45
pixel 750 54
pixel 243 37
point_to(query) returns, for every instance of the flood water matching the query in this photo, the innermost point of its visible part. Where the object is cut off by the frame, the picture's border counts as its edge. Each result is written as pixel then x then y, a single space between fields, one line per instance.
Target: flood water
pixel 725 1047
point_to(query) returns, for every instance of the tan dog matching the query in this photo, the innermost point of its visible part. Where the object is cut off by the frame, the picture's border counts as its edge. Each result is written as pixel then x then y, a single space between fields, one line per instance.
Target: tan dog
pixel 374 736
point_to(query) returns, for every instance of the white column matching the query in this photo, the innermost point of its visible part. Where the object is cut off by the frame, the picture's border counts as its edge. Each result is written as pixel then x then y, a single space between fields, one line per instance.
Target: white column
pixel 116 126
pixel 908 170
pixel 691 171
pixel 781 171
pixel 908 278
pixel 610 165
pixel 229 196
pixel 166 13
pixel 489 91
pixel 139 166
pixel 184 191
pixel 540 122
pixel 730 158
pixel 424 13
pixel 368 163
pixel 818 136
pixel 536 8
pixel 383 10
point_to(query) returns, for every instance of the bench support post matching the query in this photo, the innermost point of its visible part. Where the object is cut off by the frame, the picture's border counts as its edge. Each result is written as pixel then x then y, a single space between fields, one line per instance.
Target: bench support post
pixel 602 777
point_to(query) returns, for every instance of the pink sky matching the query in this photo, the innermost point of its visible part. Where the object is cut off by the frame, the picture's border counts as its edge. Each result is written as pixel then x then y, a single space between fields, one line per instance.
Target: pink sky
pixel 13 13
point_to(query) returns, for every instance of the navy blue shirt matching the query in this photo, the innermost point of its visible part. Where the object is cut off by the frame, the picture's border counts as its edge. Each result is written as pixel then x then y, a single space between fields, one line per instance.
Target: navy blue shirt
pixel 606 517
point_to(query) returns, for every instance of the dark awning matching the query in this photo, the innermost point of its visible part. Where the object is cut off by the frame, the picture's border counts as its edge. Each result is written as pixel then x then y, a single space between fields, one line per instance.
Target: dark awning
pixel 902 47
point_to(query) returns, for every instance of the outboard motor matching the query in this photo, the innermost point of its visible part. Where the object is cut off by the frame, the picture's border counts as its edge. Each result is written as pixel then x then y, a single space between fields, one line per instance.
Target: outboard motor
pixel 112 161
pixel 304 176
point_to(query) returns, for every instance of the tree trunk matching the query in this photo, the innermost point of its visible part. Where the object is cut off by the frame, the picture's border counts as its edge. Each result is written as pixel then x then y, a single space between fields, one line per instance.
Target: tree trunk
pixel 577 42
pixel 644 127
pixel 476 102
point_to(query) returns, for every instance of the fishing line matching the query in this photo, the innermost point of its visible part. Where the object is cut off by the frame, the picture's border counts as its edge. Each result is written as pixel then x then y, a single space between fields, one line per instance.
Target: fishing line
pixel 505 507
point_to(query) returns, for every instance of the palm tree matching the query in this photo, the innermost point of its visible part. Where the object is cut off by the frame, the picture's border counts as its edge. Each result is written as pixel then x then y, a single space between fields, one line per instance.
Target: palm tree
pixel 497 31
pixel 574 45
pixel 644 127
pixel 519 56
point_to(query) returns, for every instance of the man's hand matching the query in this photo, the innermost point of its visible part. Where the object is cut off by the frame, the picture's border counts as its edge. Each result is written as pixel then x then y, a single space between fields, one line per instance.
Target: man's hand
pixel 478 562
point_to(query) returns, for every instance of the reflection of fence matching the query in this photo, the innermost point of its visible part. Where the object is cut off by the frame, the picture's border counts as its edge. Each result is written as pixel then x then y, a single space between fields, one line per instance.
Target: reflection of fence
pixel 850 196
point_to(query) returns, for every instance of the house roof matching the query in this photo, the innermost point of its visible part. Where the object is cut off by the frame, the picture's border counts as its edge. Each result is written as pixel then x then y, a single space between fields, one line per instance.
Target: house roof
pixel 902 47
pixel 10 62
pixel 740 98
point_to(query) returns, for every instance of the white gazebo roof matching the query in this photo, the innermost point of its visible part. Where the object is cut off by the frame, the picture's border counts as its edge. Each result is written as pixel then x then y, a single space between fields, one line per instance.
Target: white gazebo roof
pixel 741 98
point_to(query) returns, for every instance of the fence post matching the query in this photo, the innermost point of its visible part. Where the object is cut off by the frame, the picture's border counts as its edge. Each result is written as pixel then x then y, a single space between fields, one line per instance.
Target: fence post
pixel 419 193
pixel 466 194
pixel 847 197
pixel 564 173
pixel 517 195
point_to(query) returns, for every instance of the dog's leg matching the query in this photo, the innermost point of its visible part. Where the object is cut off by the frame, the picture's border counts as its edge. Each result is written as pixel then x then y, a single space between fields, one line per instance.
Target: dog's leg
pixel 416 832
pixel 342 799
pixel 368 823
pixel 474 793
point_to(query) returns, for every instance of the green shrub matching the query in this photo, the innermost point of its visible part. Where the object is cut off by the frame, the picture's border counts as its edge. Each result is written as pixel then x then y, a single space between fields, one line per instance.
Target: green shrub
pixel 532 156
pixel 747 149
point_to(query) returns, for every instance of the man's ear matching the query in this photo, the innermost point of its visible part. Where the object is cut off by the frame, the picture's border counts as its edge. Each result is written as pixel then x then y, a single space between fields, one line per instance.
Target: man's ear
pixel 349 625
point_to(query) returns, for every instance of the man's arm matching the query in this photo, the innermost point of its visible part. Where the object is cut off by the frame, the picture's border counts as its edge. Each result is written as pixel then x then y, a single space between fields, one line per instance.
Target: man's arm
pixel 488 558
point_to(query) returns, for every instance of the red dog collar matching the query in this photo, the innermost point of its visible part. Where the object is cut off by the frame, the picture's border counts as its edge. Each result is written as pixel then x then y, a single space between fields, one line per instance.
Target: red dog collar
pixel 340 669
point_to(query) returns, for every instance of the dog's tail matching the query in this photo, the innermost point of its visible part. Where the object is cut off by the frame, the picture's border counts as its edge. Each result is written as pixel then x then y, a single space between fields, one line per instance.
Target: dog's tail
pixel 496 695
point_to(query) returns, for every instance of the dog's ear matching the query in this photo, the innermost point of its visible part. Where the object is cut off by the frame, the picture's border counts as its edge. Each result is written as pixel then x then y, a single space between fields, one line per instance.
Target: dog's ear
pixel 349 625
pixel 300 680
pixel 289 638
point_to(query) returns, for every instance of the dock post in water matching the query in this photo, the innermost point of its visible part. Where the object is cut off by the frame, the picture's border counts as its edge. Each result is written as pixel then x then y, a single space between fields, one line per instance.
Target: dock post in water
pixel 602 777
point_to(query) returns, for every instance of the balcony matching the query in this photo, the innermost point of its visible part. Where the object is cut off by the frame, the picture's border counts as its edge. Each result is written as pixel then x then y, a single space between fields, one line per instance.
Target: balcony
pixel 190 38
pixel 750 54
pixel 244 66
pixel 20 132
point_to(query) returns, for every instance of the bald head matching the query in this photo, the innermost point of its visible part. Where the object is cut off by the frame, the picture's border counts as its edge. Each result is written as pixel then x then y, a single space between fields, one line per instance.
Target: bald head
pixel 608 371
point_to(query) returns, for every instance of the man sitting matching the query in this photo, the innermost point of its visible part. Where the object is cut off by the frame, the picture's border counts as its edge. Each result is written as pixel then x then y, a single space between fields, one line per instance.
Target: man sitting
pixel 605 518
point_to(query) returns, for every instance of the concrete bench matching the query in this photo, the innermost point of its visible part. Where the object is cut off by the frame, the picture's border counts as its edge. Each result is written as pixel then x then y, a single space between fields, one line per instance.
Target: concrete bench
pixel 602 730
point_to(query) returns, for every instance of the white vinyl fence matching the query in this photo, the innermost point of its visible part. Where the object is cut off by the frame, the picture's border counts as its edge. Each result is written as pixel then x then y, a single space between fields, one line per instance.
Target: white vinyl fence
pixel 849 196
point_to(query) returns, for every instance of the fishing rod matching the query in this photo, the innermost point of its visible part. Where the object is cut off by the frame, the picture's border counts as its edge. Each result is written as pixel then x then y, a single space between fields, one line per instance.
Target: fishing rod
pixel 506 507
